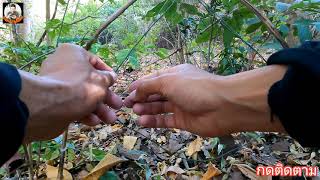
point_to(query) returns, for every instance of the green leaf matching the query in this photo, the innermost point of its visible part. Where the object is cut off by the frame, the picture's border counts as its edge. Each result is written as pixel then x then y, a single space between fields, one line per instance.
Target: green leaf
pixel 133 60
pixel 304 32
pixel 282 7
pixel 110 175
pixel 227 38
pixel 62 2
pixel 188 8
pixel 253 27
pixel 214 142
pixel 162 53
pixel 220 148
pixel 172 15
pixel 104 52
pixel 98 154
pixel 52 24
pixel 159 8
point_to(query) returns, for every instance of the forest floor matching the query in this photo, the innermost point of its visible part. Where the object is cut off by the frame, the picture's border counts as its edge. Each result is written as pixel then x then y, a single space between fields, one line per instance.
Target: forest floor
pixel 128 151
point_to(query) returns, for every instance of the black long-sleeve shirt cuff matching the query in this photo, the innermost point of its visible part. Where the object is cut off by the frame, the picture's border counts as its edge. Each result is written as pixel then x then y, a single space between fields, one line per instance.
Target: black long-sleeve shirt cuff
pixel 13 112
pixel 295 99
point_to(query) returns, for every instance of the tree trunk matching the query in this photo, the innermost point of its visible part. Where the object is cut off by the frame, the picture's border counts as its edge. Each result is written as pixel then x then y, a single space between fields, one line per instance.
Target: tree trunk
pixel 24 29
pixel 48 18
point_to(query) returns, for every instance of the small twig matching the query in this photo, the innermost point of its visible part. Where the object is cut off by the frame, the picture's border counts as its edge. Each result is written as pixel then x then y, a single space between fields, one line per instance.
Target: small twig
pixel 62 154
pixel 29 160
pixel 110 19
pixel 62 22
pixel 38 160
pixel 36 59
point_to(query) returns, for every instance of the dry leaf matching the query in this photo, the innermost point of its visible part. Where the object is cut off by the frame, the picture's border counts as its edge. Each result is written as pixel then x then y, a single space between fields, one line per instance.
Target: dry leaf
pixel 108 162
pixel 175 169
pixel 194 146
pixel 211 172
pixel 52 173
pixel 129 142
pixel 116 127
pixel 251 173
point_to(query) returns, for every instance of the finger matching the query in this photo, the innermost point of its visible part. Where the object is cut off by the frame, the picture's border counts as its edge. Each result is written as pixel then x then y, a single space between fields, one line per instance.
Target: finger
pixel 107 77
pixel 151 87
pixel 91 120
pixel 98 64
pixel 158 73
pixel 157 121
pixel 156 97
pixel 153 108
pixel 129 101
pixel 105 114
pixel 113 100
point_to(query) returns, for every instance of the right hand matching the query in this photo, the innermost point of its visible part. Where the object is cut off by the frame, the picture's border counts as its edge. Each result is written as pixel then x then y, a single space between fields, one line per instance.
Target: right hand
pixel 184 91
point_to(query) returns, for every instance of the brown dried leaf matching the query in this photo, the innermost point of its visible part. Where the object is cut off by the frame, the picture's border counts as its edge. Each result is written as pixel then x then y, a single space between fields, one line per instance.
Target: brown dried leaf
pixel 129 142
pixel 108 162
pixel 52 173
pixel 194 146
pixel 251 173
pixel 211 172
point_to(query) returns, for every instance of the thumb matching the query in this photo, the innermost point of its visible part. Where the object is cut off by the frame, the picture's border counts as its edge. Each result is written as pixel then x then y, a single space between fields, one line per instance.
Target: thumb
pixel 107 77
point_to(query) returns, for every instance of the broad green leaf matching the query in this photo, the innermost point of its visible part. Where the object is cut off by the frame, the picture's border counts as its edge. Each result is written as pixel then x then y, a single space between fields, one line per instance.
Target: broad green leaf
pixel 62 2
pixel 104 52
pixel 159 8
pixel 162 53
pixel 227 38
pixel 98 154
pixel 304 32
pixel 188 8
pixel 52 24
pixel 282 7
pixel 132 58
pixel 253 27
pixel 172 15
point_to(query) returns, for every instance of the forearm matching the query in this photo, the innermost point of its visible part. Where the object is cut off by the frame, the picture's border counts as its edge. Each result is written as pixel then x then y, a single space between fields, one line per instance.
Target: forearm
pixel 40 93
pixel 247 95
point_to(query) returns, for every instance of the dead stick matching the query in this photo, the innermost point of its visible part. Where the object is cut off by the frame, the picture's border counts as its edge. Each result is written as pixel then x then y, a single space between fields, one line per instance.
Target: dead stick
pixel 110 19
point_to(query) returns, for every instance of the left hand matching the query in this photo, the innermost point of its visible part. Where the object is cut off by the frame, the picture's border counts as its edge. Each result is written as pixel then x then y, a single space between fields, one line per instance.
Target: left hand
pixel 73 86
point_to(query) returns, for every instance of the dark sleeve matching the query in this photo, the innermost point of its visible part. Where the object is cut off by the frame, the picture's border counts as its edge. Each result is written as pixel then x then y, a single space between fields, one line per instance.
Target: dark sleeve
pixel 295 99
pixel 13 112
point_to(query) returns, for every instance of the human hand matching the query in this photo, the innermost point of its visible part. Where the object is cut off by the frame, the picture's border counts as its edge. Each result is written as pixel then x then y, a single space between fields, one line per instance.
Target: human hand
pixel 73 86
pixel 188 98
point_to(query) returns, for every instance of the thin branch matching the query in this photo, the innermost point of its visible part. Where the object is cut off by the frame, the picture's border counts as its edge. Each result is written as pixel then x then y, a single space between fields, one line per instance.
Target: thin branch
pixel 82 19
pixel 110 19
pixel 45 32
pixel 144 35
pixel 62 155
pixel 265 20
pixel 36 59
pixel 75 11
pixel 62 22
pixel 225 25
